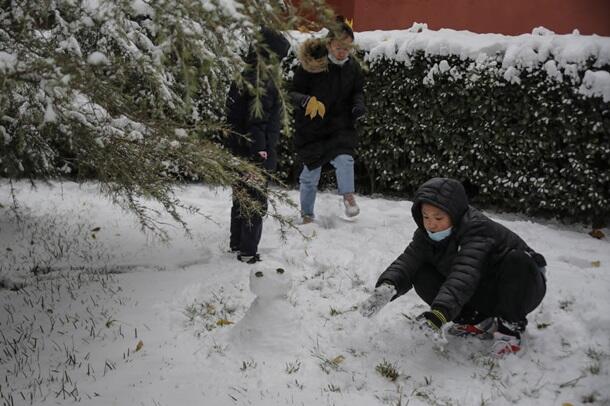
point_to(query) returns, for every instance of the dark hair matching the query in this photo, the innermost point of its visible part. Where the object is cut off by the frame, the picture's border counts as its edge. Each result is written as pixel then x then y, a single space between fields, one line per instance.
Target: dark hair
pixel 273 42
pixel 340 29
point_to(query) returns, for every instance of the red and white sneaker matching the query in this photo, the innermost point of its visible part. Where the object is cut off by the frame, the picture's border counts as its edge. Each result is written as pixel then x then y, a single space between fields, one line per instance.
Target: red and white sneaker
pixel 505 344
pixel 483 330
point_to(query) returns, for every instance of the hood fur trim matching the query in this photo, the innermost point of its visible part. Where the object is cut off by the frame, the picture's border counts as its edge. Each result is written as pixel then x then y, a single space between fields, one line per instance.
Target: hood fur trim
pixel 313 55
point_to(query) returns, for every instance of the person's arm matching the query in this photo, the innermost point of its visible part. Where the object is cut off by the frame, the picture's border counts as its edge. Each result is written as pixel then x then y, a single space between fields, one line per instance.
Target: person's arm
pixel 400 272
pixel 395 281
pixel 465 274
pixel 257 124
pixel 299 91
pixel 358 107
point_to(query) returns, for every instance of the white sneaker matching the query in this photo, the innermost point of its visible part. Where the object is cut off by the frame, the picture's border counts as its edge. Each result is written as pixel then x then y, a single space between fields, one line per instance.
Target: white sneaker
pixel 351 207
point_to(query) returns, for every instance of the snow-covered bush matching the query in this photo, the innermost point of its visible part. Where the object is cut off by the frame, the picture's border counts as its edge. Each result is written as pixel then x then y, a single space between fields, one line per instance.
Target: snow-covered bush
pixel 128 92
pixel 523 121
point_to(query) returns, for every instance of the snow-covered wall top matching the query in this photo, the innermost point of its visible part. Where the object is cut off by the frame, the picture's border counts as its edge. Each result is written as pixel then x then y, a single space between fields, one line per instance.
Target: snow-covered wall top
pixel 568 53
pixel 522 51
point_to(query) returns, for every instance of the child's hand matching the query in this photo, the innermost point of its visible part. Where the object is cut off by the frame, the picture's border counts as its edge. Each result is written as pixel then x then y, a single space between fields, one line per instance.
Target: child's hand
pixel 431 324
pixel 380 297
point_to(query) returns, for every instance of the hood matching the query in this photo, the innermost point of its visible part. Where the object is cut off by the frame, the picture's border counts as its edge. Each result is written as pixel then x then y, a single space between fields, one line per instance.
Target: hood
pixel 313 55
pixel 273 41
pixel 276 42
pixel 444 193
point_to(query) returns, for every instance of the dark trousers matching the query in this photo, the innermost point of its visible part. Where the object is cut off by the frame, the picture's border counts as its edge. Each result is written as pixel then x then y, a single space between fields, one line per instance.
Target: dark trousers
pixel 511 291
pixel 246 221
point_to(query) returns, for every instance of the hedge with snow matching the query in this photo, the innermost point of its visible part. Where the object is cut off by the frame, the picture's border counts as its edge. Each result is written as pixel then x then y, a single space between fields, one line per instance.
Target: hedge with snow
pixel 523 121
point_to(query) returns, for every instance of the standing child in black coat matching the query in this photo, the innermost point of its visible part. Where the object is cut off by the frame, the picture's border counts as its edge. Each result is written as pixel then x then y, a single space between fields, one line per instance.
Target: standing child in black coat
pixel 255 138
pixel 468 268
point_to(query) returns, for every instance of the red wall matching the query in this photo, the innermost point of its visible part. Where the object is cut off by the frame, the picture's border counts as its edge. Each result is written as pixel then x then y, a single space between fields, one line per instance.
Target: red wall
pixel 346 7
pixel 510 17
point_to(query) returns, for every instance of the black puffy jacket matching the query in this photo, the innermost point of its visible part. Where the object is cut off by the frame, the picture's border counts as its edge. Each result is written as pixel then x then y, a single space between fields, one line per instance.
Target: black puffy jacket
pixel 251 134
pixel 319 140
pixel 475 247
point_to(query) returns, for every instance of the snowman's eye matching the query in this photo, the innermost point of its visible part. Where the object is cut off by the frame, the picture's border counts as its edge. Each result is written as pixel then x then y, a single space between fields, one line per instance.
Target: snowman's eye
pixel 280 270
pixel 258 274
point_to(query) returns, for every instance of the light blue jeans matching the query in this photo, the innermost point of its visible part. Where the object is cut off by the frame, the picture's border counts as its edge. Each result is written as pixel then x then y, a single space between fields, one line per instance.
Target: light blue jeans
pixel 308 181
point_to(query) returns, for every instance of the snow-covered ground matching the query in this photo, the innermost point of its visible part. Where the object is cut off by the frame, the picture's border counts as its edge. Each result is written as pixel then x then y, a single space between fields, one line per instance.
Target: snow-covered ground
pixel 172 324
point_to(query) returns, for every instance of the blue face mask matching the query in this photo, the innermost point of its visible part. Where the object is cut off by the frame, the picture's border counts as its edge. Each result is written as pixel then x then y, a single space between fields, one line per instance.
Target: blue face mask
pixel 439 235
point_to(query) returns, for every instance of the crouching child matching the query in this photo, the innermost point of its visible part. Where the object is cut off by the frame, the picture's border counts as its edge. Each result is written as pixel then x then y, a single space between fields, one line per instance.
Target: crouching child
pixel 471 270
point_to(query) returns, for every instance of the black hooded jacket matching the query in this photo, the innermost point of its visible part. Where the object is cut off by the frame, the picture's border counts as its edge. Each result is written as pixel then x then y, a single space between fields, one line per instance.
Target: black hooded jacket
pixel 473 250
pixel 320 139
pixel 251 134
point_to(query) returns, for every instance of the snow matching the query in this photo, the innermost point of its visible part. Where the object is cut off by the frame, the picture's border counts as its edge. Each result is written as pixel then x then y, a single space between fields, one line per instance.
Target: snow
pixel 596 83
pixel 7 62
pixel 444 66
pixel 97 58
pixel 551 70
pixel 71 45
pixel 50 116
pixel 512 75
pixel 517 53
pixel 270 311
pixel 184 322
pixel 228 7
pixel 180 133
pixel 142 8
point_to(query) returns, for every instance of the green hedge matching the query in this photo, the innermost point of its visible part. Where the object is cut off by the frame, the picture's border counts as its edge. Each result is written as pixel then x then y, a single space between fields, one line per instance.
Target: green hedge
pixel 536 146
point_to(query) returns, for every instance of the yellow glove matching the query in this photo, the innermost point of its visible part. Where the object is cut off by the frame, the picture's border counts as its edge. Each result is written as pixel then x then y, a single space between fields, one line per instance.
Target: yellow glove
pixel 315 107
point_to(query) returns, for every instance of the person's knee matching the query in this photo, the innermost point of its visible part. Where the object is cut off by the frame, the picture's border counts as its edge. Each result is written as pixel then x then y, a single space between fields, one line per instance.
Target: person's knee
pixel 427 283
pixel 519 273
pixel 344 160
pixel 307 180
pixel 425 293
pixel 518 262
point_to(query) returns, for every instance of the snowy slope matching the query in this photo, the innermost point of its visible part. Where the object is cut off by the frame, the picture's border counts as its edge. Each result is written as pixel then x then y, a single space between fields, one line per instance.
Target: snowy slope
pixel 67 337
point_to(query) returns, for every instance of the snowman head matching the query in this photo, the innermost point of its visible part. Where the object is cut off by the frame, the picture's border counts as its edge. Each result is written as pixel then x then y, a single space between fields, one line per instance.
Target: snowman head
pixel 270 282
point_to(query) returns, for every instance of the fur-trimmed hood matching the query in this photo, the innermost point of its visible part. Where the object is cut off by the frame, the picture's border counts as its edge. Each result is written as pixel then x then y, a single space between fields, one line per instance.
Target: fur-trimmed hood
pixel 313 55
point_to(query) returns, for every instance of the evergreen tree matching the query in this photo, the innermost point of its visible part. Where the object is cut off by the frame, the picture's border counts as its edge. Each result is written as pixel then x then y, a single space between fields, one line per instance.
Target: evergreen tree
pixel 130 93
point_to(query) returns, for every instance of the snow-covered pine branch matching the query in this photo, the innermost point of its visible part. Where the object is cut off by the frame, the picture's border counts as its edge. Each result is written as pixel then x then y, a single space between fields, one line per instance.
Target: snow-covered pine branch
pixel 128 92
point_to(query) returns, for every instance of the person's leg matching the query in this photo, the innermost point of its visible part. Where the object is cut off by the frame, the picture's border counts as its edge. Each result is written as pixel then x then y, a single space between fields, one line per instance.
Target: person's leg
pixel 427 283
pixel 252 223
pixel 520 288
pixel 251 232
pixel 344 170
pixel 308 186
pixel 511 292
pixel 482 303
pixel 475 318
pixel 235 237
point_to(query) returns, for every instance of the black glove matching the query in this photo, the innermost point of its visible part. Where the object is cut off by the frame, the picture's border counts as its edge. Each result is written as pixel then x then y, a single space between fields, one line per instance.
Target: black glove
pixel 358 111
pixel 434 318
pixel 431 323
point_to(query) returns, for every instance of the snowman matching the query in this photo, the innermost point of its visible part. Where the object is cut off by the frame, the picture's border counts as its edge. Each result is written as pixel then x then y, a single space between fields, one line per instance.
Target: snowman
pixel 269 323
